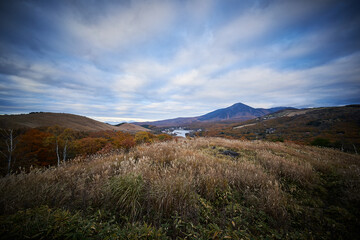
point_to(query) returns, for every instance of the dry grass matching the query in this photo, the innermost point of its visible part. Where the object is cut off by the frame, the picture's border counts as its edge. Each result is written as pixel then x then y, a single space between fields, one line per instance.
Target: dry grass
pixel 167 178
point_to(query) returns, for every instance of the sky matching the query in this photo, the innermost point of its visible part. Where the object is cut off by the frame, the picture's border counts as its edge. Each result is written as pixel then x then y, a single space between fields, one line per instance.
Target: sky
pixel 143 60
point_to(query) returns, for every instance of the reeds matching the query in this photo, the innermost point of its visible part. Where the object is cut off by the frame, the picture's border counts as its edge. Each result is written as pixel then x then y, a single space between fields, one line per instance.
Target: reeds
pixel 160 180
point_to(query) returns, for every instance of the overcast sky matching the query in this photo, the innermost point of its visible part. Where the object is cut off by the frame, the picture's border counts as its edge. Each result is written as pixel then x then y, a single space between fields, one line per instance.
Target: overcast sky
pixel 150 60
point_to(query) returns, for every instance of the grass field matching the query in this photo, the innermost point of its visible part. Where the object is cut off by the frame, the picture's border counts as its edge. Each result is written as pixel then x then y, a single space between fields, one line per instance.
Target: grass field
pixel 189 189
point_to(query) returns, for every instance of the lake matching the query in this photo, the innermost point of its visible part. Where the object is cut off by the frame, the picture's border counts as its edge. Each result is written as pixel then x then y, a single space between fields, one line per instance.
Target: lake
pixel 180 132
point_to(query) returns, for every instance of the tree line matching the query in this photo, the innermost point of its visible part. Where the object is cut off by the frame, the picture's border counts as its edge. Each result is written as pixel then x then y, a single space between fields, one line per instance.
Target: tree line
pixel 55 145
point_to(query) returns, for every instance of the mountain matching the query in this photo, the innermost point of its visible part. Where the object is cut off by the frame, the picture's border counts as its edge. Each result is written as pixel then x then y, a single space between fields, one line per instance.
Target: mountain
pixel 76 122
pixel 237 112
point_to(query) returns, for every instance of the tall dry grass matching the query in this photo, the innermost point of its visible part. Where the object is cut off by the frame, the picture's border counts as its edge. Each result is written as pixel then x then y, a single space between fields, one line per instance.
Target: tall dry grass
pixel 159 180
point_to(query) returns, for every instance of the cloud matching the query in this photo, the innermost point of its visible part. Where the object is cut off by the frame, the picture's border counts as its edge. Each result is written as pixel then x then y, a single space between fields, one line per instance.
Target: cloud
pixel 120 26
pixel 272 87
pixel 27 85
pixel 119 119
pixel 164 59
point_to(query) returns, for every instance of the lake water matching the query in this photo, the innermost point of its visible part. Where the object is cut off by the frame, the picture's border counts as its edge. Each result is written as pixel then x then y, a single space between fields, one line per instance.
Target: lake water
pixel 180 132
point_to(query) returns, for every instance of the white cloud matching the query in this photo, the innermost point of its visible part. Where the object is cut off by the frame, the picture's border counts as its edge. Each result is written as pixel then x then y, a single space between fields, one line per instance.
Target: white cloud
pixel 26 85
pixel 268 87
pixel 127 83
pixel 190 78
pixel 120 119
pixel 121 26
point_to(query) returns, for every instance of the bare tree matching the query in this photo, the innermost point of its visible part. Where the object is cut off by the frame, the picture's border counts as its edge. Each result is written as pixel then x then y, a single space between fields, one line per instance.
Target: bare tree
pixel 57 151
pixel 64 152
pixel 10 141
pixel 67 136
pixel 62 139
pixel 55 131
pixel 355 149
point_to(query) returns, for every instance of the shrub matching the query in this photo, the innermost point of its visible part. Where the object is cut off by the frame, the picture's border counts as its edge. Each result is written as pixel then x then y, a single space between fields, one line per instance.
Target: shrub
pixel 123 140
pixel 164 137
pixel 46 223
pixel 144 137
pixel 321 142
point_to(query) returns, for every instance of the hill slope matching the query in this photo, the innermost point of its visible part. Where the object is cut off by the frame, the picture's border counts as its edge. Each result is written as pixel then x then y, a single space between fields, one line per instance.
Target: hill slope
pixel 339 126
pixel 189 189
pixel 132 128
pixel 76 122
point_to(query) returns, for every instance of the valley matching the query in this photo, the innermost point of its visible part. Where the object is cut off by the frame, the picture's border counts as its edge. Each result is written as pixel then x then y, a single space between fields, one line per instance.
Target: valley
pixel 336 127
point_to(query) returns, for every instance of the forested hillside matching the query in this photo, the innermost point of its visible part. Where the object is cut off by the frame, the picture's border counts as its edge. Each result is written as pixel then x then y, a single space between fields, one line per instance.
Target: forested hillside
pixel 50 146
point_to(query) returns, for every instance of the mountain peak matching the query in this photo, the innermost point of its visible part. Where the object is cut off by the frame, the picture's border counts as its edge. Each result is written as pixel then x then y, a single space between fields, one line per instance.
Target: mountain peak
pixel 239 104
pixel 236 111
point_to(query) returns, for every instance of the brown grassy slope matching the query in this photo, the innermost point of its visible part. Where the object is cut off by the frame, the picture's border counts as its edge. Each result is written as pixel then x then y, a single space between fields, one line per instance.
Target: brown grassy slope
pixel 338 124
pixel 132 128
pixel 181 177
pixel 72 121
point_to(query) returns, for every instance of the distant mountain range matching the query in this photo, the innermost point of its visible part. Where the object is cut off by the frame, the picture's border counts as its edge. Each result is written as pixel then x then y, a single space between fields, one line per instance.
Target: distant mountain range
pixel 237 112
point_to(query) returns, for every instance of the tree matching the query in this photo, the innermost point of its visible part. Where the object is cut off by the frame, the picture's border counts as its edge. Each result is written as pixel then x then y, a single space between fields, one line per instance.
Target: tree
pixel 144 137
pixel 88 145
pixel 54 138
pixel 61 138
pixel 66 138
pixel 33 149
pixel 10 142
pixel 123 140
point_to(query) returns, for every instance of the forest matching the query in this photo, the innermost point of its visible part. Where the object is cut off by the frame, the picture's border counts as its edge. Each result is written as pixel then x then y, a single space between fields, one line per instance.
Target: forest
pixel 51 146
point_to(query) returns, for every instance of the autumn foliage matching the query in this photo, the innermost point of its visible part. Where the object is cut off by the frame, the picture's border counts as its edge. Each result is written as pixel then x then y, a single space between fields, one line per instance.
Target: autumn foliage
pixel 55 145
pixel 33 148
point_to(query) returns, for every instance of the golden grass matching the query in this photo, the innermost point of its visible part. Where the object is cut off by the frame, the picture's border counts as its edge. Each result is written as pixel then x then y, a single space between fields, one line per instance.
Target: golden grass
pixel 165 178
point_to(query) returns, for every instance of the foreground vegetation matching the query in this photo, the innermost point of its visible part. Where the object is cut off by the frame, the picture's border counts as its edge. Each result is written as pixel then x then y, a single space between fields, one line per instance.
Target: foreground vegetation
pixel 189 189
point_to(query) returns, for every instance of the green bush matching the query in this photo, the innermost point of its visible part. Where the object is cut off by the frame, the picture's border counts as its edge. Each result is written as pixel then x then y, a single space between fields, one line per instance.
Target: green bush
pixel 321 142
pixel 46 223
